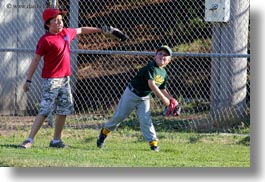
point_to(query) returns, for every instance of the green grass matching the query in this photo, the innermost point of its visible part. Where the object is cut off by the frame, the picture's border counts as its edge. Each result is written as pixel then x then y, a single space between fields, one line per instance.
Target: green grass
pixel 127 148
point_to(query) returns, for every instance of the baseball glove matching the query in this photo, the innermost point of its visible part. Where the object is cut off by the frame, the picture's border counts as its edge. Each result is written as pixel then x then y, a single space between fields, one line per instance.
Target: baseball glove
pixel 114 33
pixel 173 109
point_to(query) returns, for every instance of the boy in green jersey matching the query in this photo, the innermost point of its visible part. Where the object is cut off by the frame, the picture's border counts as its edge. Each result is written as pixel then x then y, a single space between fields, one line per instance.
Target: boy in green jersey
pixel 152 78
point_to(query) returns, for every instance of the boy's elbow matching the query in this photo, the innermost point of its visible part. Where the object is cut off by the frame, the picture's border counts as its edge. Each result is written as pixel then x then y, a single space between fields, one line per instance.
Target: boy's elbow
pixel 79 30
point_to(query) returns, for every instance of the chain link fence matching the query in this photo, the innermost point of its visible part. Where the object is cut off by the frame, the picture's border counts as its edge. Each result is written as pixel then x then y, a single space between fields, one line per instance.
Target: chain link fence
pixel 209 72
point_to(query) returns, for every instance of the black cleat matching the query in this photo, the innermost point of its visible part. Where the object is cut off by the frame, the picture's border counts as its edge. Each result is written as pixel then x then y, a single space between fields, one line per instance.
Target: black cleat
pixel 155 148
pixel 101 139
pixel 57 144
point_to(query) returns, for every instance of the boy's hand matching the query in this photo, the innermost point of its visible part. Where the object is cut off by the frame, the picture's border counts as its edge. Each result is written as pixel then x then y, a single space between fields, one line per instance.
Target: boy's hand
pixel 26 86
pixel 114 33
pixel 173 109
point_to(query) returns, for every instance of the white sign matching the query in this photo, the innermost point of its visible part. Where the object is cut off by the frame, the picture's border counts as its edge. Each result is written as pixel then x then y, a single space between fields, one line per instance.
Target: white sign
pixel 217 10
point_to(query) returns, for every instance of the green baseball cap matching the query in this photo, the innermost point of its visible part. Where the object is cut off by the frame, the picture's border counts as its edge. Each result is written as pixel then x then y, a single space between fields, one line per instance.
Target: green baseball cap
pixel 166 48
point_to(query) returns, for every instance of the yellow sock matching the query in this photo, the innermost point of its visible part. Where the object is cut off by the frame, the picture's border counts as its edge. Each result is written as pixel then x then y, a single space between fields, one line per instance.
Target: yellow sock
pixel 153 143
pixel 105 131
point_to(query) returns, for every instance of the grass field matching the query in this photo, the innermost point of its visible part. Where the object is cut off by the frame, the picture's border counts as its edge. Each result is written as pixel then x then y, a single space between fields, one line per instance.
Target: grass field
pixel 127 148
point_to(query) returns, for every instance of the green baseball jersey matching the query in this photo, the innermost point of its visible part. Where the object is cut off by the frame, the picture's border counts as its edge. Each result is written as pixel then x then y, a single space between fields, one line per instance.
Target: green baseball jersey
pixel 149 72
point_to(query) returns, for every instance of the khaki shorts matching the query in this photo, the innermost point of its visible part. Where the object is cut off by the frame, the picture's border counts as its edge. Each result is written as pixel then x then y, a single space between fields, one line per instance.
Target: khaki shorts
pixel 56 96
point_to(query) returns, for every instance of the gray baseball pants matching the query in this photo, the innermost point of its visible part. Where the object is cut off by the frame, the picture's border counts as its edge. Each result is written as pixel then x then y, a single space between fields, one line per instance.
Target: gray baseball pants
pixel 128 102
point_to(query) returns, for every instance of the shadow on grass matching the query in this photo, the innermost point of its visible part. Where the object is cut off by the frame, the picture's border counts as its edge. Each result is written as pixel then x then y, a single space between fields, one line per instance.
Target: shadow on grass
pixel 10 146
pixel 89 139
pixel 3 164
pixel 160 124
pixel 245 141
pixel 46 147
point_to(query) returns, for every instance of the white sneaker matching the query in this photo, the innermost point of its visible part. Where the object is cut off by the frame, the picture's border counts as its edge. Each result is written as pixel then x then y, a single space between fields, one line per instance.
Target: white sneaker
pixel 26 144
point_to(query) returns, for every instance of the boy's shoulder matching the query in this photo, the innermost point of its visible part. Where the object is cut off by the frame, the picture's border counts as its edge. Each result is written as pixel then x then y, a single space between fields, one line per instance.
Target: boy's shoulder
pixel 43 37
pixel 148 65
pixel 151 65
pixel 69 30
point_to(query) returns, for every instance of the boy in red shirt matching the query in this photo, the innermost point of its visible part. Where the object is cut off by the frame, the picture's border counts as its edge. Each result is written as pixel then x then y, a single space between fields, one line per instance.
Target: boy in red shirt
pixel 54 47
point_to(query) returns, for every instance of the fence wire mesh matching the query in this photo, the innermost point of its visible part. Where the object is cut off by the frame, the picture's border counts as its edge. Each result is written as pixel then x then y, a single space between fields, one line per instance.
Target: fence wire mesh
pixel 209 72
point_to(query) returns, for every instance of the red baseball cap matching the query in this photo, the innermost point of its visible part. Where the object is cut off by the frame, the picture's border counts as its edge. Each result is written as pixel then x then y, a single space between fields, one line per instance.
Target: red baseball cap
pixel 51 12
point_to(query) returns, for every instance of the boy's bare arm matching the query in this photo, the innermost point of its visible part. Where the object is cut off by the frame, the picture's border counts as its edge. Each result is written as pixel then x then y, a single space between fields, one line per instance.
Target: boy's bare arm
pixel 158 92
pixel 88 30
pixel 34 64
pixel 165 92
pixel 114 33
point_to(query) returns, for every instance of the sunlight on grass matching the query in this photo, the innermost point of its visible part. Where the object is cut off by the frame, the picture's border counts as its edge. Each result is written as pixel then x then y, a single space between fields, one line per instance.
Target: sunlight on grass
pixel 127 148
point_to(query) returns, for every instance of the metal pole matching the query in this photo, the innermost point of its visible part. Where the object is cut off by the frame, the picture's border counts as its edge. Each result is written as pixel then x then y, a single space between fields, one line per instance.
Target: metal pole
pixel 229 74
pixel 54 3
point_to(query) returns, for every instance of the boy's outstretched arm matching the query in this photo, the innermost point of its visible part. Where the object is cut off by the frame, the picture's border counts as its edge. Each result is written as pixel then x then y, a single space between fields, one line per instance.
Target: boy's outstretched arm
pixel 88 30
pixel 114 33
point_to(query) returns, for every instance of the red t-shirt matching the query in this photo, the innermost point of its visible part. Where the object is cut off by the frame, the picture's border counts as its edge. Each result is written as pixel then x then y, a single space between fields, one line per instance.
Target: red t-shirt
pixel 56 51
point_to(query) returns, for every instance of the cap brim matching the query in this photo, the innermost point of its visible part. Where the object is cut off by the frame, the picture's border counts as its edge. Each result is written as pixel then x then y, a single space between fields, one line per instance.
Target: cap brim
pixel 165 49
